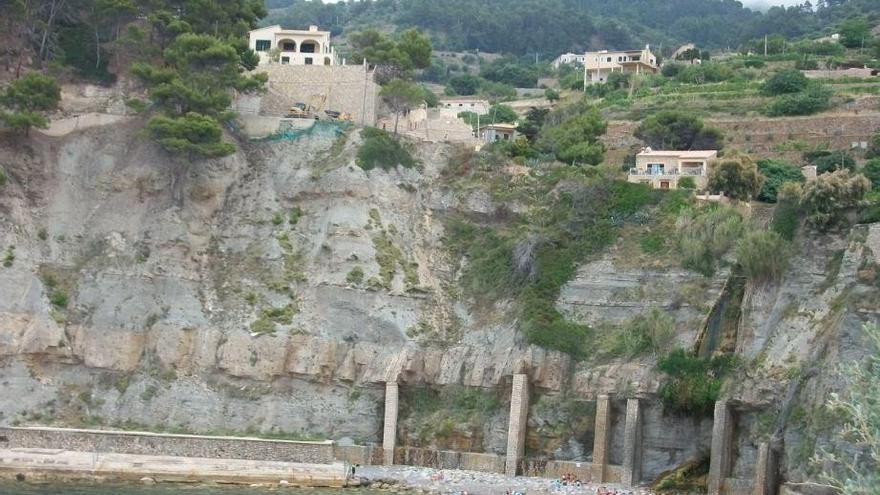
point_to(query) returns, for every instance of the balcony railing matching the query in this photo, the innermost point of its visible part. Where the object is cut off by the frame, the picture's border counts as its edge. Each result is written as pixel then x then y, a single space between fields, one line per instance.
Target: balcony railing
pixel 661 173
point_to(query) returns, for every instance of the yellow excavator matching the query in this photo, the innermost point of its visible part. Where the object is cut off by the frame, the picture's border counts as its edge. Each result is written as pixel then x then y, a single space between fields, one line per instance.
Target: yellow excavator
pixel 314 109
pixel 298 111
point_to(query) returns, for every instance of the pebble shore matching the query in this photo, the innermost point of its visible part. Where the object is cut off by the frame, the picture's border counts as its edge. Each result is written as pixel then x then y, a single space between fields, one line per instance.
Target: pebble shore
pixel 453 482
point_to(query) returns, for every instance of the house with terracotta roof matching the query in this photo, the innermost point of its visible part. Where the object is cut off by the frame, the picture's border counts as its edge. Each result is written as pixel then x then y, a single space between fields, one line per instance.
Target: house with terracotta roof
pixel 664 169
pixel 598 65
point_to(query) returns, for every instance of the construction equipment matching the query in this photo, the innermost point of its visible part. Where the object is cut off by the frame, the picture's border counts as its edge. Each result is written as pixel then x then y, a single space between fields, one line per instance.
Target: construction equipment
pixel 337 116
pixel 296 112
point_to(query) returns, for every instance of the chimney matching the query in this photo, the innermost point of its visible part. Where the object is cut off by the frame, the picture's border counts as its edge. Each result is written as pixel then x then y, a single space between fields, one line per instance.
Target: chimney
pixel 313 29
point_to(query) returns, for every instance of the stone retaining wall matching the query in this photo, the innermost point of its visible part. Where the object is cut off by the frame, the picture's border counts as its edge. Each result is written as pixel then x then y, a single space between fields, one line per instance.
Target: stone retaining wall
pixel 347 88
pixel 120 442
pixel 359 454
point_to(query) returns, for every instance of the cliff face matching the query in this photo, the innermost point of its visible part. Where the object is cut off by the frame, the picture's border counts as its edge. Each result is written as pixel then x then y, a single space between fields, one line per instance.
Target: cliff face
pixel 275 290
pixel 218 295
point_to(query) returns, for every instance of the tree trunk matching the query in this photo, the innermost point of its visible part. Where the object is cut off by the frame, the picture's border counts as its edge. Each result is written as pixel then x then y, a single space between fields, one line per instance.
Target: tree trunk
pixel 396 119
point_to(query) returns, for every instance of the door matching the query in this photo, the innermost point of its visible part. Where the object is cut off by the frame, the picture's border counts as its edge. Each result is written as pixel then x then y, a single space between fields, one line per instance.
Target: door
pixel 664 184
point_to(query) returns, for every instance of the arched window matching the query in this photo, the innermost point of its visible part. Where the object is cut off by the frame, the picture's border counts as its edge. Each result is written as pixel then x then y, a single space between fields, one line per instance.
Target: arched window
pixel 287 45
pixel 309 46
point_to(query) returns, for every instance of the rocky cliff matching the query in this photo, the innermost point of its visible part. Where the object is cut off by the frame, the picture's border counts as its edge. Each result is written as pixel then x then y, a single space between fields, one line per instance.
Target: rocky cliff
pixel 277 289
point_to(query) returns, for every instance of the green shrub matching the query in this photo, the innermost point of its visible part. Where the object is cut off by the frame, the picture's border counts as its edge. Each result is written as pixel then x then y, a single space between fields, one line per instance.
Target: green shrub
pixel 194 134
pixel 355 276
pixel 136 105
pixel 735 175
pixel 806 64
pixel 704 73
pixel 753 63
pixel 871 170
pixel 653 242
pixel 675 130
pixel 380 149
pixel 785 82
pixel 464 85
pixel 671 69
pixel 693 384
pixel 58 298
pixel 808 102
pixel 576 138
pixel 827 199
pixel 776 173
pixel 786 219
pixel 647 333
pixel 295 215
pixel 687 183
pixel 763 255
pixel 829 161
pixel 3 178
pixel 9 256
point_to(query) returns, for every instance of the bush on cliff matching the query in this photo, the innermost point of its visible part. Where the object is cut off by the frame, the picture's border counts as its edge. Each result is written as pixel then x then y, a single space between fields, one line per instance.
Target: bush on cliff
pixel 763 255
pixel 380 149
pixel 692 384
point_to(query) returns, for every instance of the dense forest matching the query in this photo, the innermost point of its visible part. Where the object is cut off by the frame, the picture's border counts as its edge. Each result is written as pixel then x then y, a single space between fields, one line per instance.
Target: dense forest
pixel 550 27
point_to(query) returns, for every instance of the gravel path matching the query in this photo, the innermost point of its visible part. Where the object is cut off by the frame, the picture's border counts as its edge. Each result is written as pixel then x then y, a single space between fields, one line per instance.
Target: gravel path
pixel 476 483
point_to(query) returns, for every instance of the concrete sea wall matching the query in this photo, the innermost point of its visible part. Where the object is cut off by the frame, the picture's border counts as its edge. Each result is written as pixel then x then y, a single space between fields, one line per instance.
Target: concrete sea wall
pixel 139 443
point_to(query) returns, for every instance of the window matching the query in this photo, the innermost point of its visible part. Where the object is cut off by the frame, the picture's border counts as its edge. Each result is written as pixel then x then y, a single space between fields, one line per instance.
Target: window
pixel 288 46
pixel 285 60
pixel 308 60
pixel 609 59
pixel 620 59
pixel 264 45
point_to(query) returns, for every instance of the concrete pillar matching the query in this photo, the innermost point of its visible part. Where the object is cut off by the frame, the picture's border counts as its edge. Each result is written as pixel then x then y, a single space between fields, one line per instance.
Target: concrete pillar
pixel 632 444
pixel 765 471
pixel 389 441
pixel 516 431
pixel 720 455
pixel 601 438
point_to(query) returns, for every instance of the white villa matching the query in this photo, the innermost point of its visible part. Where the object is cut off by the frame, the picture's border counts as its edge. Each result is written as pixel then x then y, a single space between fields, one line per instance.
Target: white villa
pixel 597 65
pixel 663 169
pixel 568 58
pixel 295 47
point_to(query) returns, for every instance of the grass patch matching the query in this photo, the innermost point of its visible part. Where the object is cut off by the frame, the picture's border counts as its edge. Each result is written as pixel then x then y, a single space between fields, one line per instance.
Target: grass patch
pixel 648 333
pixel 692 384
pixel 653 242
pixel 295 215
pixel 9 256
pixel 270 318
pixel 355 276
pixel 705 235
pixel 763 255
pixel 136 105
pixel 390 257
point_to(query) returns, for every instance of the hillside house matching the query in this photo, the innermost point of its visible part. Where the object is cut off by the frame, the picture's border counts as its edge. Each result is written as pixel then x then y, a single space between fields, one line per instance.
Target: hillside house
pixel 295 47
pixel 663 169
pixel 568 58
pixel 597 65
pixel 498 132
